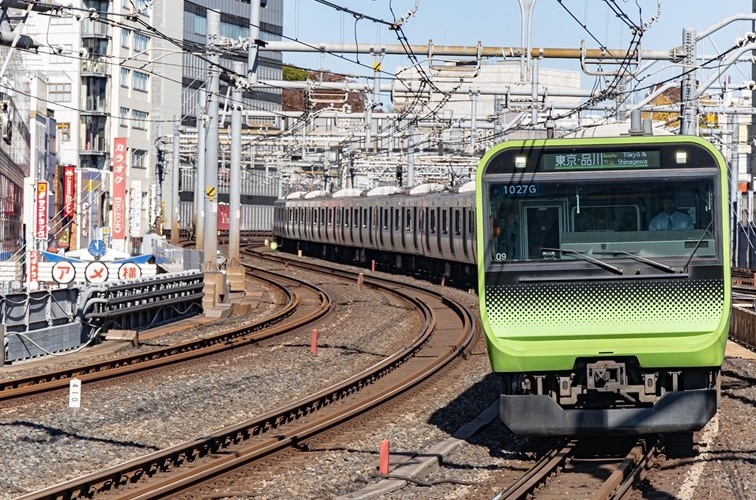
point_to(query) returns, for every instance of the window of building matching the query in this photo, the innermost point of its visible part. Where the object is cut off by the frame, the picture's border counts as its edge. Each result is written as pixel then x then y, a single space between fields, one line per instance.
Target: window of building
pixel 59 92
pixel 124 117
pixel 60 20
pixel 125 77
pixel 125 38
pixel 64 131
pixel 234 30
pixel 138 158
pixel 139 119
pixel 140 42
pixel 140 81
pixel 195 18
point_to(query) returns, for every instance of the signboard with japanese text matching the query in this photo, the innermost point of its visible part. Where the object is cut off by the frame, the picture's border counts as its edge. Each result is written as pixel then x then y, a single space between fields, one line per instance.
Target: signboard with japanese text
pixel 63 272
pixel 119 188
pixel 69 191
pixel 40 224
pixel 96 272
pixel 135 209
pixel 129 271
pixel 224 220
pixel 33 266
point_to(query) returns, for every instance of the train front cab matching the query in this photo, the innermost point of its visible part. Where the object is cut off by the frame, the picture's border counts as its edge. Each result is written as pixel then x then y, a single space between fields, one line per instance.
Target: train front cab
pixel 595 322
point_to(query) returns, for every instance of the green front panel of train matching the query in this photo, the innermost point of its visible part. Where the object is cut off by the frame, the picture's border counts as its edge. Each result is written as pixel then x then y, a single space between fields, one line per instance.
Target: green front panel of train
pixel 546 326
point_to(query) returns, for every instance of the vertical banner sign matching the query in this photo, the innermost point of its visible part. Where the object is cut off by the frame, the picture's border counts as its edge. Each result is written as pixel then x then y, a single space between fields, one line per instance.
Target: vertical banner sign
pixel 69 190
pixel 119 188
pixel 40 224
pixel 135 209
pixel 224 221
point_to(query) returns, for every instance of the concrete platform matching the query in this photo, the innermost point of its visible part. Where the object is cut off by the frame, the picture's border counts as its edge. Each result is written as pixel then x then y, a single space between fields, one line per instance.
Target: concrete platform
pixel 735 350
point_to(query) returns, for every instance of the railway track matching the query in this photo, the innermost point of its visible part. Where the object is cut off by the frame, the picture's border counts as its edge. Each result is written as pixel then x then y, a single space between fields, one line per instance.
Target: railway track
pixel 202 463
pixel 587 469
pixel 303 303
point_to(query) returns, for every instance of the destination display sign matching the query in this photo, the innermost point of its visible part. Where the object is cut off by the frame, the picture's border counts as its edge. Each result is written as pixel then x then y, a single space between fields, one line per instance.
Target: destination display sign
pixel 600 160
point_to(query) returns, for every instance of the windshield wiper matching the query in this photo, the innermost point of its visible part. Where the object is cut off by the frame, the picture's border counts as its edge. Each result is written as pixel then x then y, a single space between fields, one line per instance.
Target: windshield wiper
pixel 698 245
pixel 652 263
pixel 587 258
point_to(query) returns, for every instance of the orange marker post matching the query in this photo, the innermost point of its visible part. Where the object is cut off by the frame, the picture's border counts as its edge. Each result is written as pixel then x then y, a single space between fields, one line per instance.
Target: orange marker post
pixel 372 266
pixel 314 342
pixel 384 458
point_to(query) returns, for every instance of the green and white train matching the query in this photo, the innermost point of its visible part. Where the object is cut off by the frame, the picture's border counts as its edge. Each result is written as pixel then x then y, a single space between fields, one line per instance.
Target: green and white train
pixel 602 317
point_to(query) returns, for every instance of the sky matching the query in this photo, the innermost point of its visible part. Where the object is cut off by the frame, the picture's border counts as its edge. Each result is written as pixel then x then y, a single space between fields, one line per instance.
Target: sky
pixel 498 23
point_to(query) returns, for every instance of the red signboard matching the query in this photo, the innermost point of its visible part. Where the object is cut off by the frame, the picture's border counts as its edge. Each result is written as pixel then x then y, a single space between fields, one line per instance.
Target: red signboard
pixel 33 266
pixel 223 217
pixel 119 188
pixel 40 224
pixel 69 191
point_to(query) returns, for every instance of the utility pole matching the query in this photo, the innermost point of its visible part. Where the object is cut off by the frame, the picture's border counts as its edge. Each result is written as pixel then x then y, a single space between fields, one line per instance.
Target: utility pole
pixel 752 132
pixel 211 155
pixel 235 272
pixel 254 41
pixel 175 226
pixel 199 193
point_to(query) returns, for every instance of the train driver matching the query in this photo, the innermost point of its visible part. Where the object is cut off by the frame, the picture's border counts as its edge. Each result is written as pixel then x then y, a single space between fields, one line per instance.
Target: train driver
pixel 670 217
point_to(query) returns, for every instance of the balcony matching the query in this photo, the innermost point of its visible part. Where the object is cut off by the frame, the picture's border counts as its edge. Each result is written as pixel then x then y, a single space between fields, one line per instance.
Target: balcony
pixel 95 66
pixel 93 29
pixel 94 105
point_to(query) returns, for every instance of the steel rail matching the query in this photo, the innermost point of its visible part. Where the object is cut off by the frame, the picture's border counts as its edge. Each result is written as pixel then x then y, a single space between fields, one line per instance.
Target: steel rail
pixel 228 339
pixel 376 384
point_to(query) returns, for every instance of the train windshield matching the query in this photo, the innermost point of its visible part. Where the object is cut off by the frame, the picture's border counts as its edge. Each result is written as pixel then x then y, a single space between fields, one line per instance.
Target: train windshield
pixel 587 220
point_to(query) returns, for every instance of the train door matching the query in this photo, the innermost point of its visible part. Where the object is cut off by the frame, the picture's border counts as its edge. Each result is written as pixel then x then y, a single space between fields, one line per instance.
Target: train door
pixel 417 227
pixel 371 225
pixel 403 227
pixel 382 224
pixel 543 225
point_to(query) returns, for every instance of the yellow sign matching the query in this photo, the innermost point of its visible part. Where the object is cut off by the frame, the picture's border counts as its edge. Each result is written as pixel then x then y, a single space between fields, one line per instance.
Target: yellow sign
pixel 377 66
pixel 211 192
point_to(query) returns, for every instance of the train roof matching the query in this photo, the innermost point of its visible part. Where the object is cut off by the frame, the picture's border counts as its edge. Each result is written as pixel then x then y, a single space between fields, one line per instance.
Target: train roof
pixel 384 190
pixel 420 189
pixel 342 193
pixel 427 188
pixel 315 194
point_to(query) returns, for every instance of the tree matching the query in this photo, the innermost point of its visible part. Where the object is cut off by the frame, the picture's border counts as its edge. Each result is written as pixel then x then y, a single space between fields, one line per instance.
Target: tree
pixel 302 100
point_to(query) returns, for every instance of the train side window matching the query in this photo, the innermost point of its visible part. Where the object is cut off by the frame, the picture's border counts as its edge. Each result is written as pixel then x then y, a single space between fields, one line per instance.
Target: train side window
pixel 444 221
pixel 457 222
pixel 470 223
pixel 385 218
pixel 355 216
pixel 346 216
pixel 408 221
pixel 364 217
pixel 397 218
pixel 314 216
pixel 330 216
pixel 291 215
pixel 432 222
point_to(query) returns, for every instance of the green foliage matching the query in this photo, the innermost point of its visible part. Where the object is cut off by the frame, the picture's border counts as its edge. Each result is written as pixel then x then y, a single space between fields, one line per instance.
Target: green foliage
pixel 294 74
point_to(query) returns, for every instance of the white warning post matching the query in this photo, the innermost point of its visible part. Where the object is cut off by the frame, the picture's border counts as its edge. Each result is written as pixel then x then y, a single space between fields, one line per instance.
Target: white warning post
pixel 74 395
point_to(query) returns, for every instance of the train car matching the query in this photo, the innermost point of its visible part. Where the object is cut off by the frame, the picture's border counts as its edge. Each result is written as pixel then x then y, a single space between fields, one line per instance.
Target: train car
pixel 424 230
pixel 604 282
